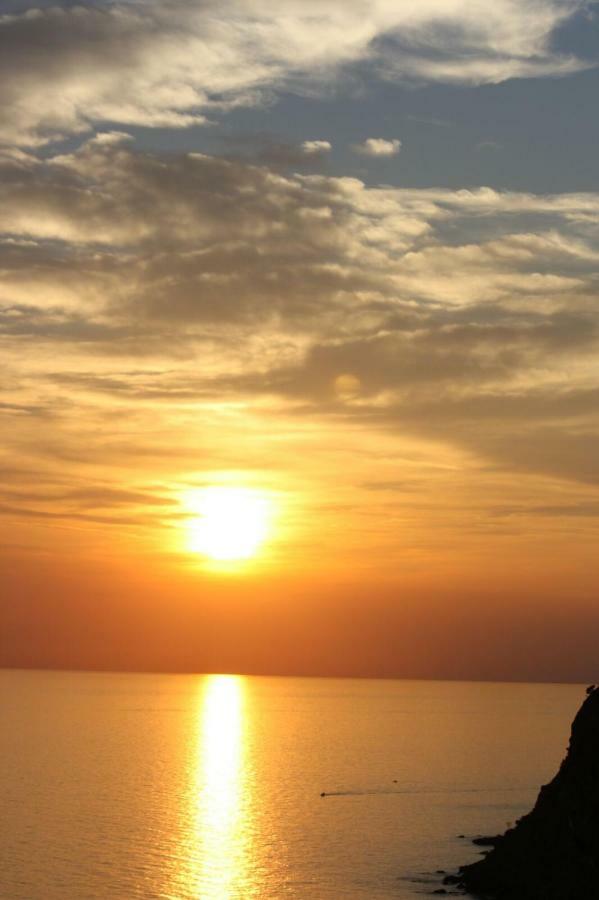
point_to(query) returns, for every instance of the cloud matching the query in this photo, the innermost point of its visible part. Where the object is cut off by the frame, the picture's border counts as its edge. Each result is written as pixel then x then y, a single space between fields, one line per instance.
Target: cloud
pixel 267 149
pixel 132 282
pixel 317 147
pixel 378 147
pixel 172 64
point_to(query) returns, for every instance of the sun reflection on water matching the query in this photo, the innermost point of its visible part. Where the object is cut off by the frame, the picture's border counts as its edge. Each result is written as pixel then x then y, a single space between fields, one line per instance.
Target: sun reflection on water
pixel 221 819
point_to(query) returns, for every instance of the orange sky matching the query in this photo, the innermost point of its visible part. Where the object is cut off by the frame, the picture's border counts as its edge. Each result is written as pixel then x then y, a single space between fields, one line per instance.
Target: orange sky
pixel 404 376
pixel 387 554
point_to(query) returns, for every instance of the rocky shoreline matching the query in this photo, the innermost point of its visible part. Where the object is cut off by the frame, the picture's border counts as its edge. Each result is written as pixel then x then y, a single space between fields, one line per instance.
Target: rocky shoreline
pixel 552 853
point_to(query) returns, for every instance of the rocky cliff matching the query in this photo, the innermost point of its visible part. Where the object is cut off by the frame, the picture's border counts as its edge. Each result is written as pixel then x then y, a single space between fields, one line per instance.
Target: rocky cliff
pixel 553 852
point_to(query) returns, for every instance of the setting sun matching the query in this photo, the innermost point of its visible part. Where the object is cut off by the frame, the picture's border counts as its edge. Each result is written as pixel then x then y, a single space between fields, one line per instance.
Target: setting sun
pixel 231 522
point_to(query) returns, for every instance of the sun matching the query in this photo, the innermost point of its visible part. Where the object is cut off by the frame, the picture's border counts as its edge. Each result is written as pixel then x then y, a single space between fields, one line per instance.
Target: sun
pixel 232 523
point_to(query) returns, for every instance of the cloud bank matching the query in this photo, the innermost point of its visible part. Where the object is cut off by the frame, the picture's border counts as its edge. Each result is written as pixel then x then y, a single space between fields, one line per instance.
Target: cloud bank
pixel 463 317
pixel 173 64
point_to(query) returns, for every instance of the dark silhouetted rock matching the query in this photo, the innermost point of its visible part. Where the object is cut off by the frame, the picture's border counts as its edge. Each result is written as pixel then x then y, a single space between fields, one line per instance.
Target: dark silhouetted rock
pixel 553 852
pixel 487 841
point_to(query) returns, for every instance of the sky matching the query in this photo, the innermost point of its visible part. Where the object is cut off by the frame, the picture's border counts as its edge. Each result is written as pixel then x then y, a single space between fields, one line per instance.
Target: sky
pixel 336 259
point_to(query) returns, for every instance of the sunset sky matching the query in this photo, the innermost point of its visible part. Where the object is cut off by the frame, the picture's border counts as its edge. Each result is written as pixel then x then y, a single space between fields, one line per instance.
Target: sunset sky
pixel 299 331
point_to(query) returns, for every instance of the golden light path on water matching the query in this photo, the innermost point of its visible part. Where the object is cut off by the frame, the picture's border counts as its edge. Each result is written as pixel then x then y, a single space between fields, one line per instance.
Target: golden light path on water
pixel 219 802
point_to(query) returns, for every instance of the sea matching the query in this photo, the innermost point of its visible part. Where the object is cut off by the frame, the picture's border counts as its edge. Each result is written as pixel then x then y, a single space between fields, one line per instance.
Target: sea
pixel 227 787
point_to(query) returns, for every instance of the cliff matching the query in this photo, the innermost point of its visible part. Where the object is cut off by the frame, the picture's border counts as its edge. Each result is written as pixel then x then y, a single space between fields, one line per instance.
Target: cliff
pixel 553 852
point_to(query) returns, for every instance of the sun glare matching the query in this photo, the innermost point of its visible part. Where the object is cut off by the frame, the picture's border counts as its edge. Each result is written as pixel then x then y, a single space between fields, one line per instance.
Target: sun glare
pixel 231 524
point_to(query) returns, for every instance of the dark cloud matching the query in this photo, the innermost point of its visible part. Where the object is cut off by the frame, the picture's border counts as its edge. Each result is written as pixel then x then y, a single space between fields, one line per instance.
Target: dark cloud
pixel 400 487
pixel 21 511
pixel 22 409
pixel 582 510
pixel 88 497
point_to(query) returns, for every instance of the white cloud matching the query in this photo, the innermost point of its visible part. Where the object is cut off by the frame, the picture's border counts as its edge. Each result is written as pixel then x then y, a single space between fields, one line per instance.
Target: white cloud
pixel 378 147
pixel 175 63
pixel 316 147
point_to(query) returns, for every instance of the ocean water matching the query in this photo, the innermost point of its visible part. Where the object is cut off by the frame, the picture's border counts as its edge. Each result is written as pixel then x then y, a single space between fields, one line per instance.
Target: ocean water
pixel 170 786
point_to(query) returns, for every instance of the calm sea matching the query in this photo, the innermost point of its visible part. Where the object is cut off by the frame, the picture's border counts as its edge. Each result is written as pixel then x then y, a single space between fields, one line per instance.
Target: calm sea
pixel 167 786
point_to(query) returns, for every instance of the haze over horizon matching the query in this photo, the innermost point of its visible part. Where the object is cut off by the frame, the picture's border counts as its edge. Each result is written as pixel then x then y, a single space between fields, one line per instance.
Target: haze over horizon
pixel 299 330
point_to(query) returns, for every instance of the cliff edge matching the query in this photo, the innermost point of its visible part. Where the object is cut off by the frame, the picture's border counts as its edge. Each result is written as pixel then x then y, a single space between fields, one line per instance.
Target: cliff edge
pixel 553 852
